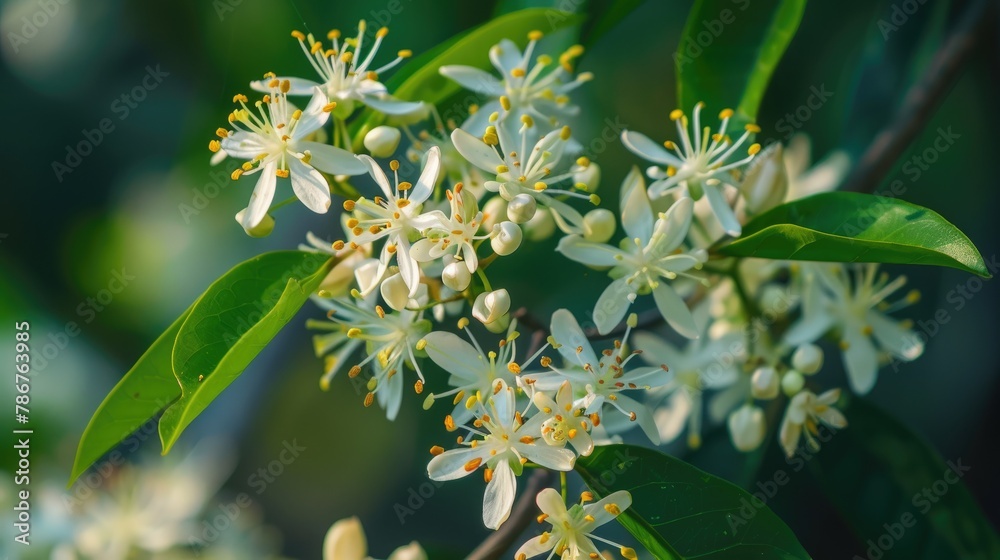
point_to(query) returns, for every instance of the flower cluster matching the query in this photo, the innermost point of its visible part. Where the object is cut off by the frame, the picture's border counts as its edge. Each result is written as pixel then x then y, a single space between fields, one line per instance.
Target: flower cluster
pixel 413 253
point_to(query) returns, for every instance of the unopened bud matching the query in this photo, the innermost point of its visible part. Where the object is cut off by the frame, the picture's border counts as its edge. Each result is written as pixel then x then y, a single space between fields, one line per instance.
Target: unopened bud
pixel 456 276
pixel 792 382
pixel 764 383
pixel 382 141
pixel 746 427
pixel 808 359
pixel 263 229
pixel 506 238
pixel 521 208
pixel 394 292
pixel 599 225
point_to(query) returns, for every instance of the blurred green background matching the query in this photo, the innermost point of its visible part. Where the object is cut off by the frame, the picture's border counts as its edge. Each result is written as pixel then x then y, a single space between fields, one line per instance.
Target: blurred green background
pixel 66 232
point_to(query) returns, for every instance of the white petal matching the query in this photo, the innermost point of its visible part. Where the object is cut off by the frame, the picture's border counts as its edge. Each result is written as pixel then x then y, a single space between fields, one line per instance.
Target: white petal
pixel 376 173
pixel 474 79
pixel 428 177
pixel 262 195
pixel 309 186
pixel 566 331
pixel 576 248
pixel 637 212
pixel 600 513
pixel 476 151
pixel 313 116
pixel 409 269
pixel 555 458
pixel 299 86
pixel 499 497
pixel 550 502
pixel 450 465
pixel 505 56
pixel 640 145
pixel 390 396
pixel 243 145
pixel 723 212
pixel 412 551
pixel 504 403
pixel 611 307
pixel 902 342
pixel 643 417
pixel 860 360
pixel 675 311
pixel 790 433
pixel 392 106
pixel 536 545
pixel 672 228
pixel 671 419
pixel 332 160
pixel 454 355
pixel 808 328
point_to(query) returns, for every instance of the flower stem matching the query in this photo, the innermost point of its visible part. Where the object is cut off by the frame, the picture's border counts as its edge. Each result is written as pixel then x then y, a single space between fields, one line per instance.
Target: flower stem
pixel 562 482
pixel 486 282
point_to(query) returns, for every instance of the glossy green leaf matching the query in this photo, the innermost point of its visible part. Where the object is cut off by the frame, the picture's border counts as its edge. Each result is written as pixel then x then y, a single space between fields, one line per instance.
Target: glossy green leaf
pixel 856 227
pixel 901 498
pixel 679 511
pixel 729 50
pixel 420 79
pixel 145 390
pixel 231 323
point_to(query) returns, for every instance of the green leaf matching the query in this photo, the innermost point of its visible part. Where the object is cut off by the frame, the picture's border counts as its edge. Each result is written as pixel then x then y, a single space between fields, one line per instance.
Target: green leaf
pixel 231 323
pixel 681 512
pixel 856 227
pixel 605 15
pixel 420 79
pixel 145 390
pixel 729 50
pixel 879 474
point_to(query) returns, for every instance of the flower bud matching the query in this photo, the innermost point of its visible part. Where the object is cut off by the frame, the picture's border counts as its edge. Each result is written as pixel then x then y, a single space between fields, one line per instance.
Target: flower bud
pixel 540 227
pixel 263 229
pixel 456 276
pixel 766 182
pixel 493 212
pixel 589 177
pixel 506 238
pixel 792 382
pixel 394 292
pixel 746 427
pixel 491 307
pixel 808 359
pixel 521 208
pixel 412 551
pixel 382 141
pixel 599 225
pixel 346 539
pixel 764 383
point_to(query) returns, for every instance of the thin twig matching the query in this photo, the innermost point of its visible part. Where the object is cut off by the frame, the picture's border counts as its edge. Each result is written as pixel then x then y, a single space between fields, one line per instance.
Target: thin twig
pixel 922 99
pixel 520 517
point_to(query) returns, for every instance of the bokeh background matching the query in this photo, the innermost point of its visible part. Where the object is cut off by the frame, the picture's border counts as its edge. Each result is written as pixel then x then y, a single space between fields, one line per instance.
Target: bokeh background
pixel 65 233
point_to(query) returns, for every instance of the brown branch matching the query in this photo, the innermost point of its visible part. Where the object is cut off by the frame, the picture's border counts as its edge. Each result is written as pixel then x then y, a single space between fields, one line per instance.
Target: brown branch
pixel 520 517
pixel 922 99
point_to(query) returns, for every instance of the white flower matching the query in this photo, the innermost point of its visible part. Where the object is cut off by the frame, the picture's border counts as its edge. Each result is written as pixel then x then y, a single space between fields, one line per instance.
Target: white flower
pixel 571 536
pixel 700 164
pixel 560 421
pixel 534 87
pixel 823 176
pixel 598 382
pixel 456 235
pixel 273 140
pixel 527 164
pixel 346 541
pixel 382 141
pixel 765 184
pixel 345 73
pixel 503 449
pixel 492 308
pixel 646 258
pixel 471 369
pixel 396 216
pixel 702 364
pixel 807 409
pixel 455 168
pixel 858 314
pixel 390 340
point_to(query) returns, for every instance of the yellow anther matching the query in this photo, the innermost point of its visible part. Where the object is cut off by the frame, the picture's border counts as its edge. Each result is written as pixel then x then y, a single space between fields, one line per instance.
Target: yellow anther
pixel 437 450
pixel 471 402
pixel 676 114
pixel 382 32
pixel 535 35
pixel 753 149
pixel 540 186
pixel 586 496
pixel 354 371
pixel 346 57
pixel 338 245
pixel 333 34
pixel 473 464
pixel 487 475
pixel 518 73
pixel 418 387
pixel 286 86
pixel 502 169
pixel 514 368
pixel 726 114
pixel 752 128
pixel 613 509
pixel 628 553
pixel 369 399
pixel 564 133
pixel 913 296
pixel 505 102
pixel 421 344
pixel 671 171
pixel 247 166
pixel 526 120
pixel 405 53
pixel 214 146
pixel 463 322
pixel 222 133
pixel 583 161
pixel 236 174
pixel 353 332
pixel 299 35
pixel 449 423
pixel 394 165
pixel 329 106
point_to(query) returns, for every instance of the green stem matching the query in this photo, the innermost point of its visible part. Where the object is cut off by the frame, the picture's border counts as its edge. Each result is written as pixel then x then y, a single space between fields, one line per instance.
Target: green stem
pixel 285 202
pixel 482 276
pixel 562 482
